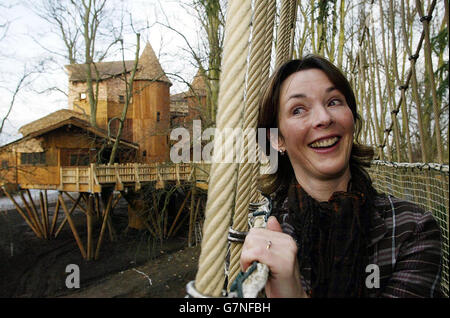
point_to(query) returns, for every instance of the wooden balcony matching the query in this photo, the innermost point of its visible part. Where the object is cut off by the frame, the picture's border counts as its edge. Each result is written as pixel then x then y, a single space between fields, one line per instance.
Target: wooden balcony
pixel 93 178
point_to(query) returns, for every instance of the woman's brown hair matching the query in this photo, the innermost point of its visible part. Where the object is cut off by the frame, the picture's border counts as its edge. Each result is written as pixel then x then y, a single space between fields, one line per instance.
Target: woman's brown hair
pixel 268 117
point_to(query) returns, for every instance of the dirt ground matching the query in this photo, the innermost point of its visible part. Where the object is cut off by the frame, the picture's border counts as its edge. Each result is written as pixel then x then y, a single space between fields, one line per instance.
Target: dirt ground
pixel 131 266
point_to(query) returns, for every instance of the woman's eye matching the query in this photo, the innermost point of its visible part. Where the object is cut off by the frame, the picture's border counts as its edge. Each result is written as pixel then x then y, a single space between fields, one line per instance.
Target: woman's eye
pixel 297 110
pixel 335 102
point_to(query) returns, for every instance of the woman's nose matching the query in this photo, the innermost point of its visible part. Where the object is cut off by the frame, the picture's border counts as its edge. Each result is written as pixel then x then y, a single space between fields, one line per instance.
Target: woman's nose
pixel 322 117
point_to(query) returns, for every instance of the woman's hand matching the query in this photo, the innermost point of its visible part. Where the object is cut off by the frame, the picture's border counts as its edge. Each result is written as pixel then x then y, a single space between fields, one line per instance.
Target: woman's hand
pixel 278 251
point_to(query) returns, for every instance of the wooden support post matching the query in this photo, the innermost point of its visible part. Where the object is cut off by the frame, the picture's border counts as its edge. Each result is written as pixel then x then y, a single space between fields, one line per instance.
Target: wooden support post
pixel 91 188
pixel 34 210
pixel 152 218
pixel 119 184
pixel 191 214
pixel 178 214
pixel 70 212
pixel 55 218
pixel 89 215
pixel 75 200
pixel 192 175
pixel 137 185
pixel 61 175
pixel 47 230
pixel 96 205
pixel 83 197
pixel 41 201
pixel 165 213
pixel 135 211
pixel 31 216
pixel 199 201
pixel 160 181
pixel 111 231
pixel 96 184
pixel 177 172
pixel 72 226
pixel 180 224
pixel 156 220
pixel 78 179
pixel 102 231
pixel 22 214
pixel 117 199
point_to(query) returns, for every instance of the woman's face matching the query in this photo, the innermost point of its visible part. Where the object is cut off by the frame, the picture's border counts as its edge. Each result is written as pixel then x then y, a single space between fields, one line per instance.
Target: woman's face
pixel 315 126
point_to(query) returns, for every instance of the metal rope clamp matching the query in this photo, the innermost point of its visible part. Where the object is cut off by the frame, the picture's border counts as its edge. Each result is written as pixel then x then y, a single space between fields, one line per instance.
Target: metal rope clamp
pixel 250 283
pixel 192 292
pixel 236 236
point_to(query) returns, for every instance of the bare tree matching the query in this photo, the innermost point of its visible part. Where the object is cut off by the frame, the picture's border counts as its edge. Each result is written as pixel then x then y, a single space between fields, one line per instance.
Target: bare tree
pixel 211 16
pixel 207 53
pixel 20 84
pixel 128 95
pixel 394 52
pixel 12 84
pixel 88 32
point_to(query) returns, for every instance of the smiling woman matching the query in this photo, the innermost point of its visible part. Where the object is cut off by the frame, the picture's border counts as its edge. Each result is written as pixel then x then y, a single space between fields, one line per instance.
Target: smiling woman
pixel 316 130
pixel 333 234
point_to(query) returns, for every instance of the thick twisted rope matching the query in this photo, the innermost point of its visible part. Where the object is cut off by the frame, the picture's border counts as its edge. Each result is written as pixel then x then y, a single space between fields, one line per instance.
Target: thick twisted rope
pixel 259 277
pixel 270 19
pixel 210 276
pixel 285 36
pixel 245 187
pixel 284 43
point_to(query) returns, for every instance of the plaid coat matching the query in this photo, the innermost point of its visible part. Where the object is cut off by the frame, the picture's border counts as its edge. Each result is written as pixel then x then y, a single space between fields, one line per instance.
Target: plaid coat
pixel 405 243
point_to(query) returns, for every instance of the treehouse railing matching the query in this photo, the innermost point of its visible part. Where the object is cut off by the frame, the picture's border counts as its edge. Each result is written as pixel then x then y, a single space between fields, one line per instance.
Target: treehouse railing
pixel 92 178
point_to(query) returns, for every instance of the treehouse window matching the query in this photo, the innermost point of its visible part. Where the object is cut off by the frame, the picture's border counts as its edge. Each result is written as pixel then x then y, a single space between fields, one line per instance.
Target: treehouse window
pixel 158 116
pixel 32 158
pixel 121 99
pixel 82 96
pixel 5 164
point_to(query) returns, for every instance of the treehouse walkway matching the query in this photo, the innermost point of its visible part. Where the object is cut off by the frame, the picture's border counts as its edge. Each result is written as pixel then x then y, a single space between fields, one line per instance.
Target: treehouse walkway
pixel 99 189
pixel 91 179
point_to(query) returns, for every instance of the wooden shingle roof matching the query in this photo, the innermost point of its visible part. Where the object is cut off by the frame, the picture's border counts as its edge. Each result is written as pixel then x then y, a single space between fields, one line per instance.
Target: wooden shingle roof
pixel 198 85
pixel 61 118
pixel 51 120
pixel 149 68
pixel 77 72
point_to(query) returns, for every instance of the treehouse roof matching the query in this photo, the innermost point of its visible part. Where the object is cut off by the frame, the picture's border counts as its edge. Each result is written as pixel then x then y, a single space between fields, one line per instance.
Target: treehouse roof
pixel 198 86
pixel 62 118
pixel 50 120
pixel 149 69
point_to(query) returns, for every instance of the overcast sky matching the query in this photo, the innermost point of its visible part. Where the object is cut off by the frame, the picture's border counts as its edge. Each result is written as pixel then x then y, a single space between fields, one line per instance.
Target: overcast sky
pixel 22 48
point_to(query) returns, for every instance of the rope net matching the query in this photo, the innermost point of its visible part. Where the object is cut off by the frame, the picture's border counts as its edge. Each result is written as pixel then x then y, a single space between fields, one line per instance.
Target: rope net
pixel 425 185
pixel 229 193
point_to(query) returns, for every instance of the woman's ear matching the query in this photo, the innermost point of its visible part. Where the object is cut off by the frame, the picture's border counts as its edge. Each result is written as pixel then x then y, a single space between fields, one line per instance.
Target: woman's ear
pixel 276 141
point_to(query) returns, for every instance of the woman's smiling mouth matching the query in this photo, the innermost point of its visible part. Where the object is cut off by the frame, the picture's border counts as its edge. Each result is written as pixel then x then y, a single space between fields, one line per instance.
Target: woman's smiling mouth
pixel 325 142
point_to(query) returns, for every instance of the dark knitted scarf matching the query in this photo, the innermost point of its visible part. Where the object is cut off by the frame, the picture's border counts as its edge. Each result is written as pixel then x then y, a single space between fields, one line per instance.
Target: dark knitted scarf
pixel 332 237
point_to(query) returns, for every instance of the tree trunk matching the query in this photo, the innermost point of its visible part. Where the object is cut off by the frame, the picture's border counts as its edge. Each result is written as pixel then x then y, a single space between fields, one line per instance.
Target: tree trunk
pixel 129 94
pixel 429 69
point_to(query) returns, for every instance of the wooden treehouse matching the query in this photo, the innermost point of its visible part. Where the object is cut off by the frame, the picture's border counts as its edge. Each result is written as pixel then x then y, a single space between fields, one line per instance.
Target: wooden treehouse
pixel 64 152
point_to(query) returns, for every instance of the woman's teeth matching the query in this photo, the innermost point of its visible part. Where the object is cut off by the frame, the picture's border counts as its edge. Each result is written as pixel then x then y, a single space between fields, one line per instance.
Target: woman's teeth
pixel 324 142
